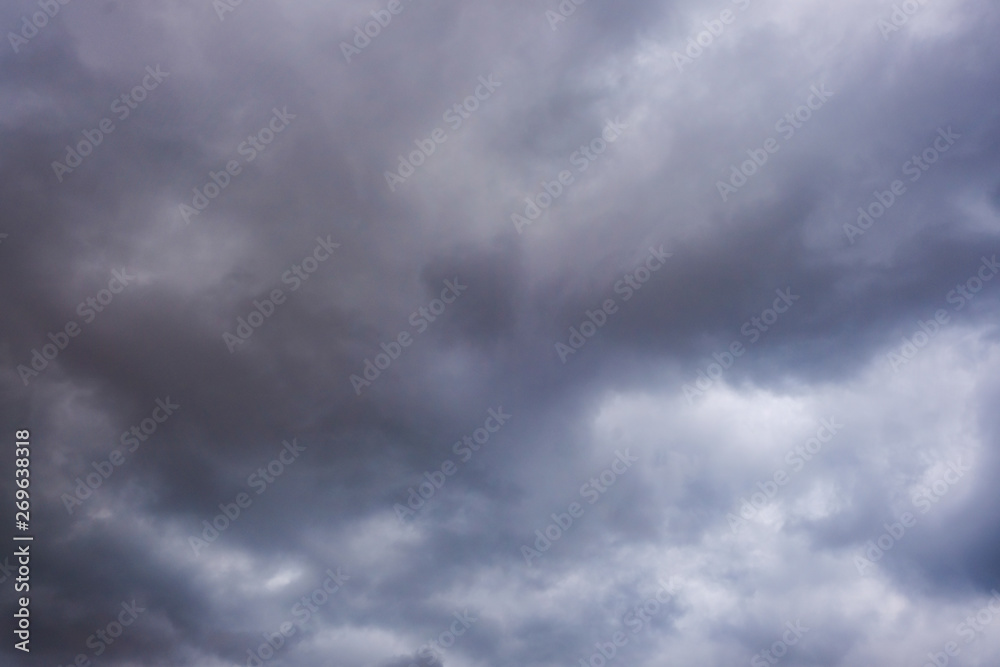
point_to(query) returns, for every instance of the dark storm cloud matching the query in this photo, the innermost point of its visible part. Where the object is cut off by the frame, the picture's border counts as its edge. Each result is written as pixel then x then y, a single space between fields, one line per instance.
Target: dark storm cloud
pixel 322 180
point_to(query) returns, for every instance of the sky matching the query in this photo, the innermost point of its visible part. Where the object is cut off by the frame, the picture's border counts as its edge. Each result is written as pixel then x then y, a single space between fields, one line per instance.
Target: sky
pixel 411 334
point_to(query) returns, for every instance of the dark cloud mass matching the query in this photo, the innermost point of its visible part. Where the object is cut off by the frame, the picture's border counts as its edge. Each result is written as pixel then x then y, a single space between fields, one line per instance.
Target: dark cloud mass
pixel 521 333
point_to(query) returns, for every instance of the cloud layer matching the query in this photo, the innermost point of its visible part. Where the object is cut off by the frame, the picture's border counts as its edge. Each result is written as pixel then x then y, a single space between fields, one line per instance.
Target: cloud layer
pixel 504 334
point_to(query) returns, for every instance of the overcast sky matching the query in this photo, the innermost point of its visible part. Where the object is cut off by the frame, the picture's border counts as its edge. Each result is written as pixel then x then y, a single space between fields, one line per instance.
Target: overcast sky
pixel 518 333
